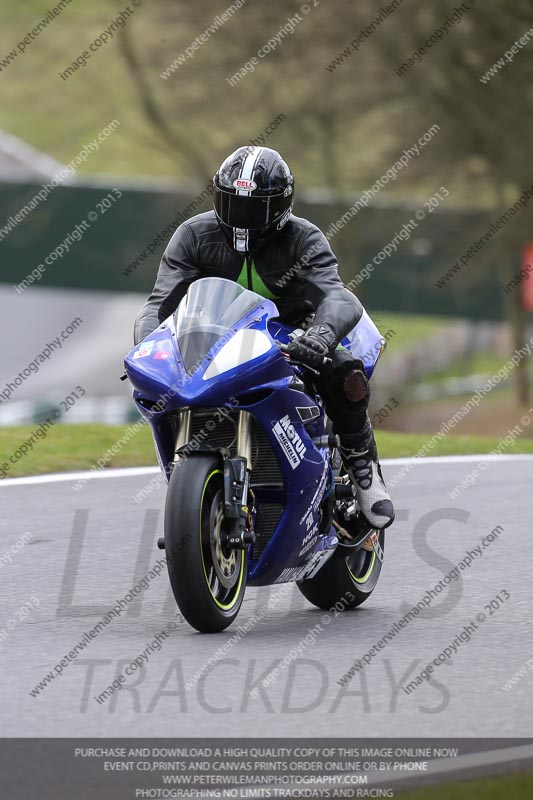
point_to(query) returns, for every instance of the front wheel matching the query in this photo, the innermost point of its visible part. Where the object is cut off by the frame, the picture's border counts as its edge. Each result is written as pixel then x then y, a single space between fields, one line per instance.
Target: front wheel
pixel 208 580
pixel 347 578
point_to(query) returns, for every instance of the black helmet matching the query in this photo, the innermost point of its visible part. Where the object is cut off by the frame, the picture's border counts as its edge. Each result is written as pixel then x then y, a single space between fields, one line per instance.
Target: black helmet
pixel 253 197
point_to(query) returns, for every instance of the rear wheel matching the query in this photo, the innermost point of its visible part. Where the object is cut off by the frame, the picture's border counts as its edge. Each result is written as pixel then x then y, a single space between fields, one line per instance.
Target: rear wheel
pixel 208 580
pixel 348 577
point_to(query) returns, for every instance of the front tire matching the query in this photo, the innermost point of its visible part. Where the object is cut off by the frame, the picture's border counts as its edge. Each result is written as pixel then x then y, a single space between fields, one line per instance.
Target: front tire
pixel 208 581
pixel 347 579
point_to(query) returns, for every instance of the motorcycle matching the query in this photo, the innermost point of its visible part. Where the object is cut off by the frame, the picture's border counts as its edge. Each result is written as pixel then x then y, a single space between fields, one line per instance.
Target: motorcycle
pixel 257 493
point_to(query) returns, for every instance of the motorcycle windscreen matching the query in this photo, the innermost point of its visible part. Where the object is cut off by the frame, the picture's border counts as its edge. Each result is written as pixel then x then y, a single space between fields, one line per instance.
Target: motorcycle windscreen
pixel 211 307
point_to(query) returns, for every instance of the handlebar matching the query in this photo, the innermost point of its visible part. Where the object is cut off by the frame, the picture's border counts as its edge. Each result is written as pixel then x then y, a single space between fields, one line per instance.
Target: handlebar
pixel 326 361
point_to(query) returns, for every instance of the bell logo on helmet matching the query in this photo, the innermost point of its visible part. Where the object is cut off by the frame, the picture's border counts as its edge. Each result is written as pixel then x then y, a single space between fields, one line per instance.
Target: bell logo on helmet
pixel 243 183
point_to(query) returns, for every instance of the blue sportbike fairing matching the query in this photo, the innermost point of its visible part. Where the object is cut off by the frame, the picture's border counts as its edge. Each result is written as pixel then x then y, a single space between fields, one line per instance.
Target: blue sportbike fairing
pixel 219 355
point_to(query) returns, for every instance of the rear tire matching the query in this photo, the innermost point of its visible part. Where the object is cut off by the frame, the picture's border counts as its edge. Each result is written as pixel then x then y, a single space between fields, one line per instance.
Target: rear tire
pixel 347 579
pixel 208 581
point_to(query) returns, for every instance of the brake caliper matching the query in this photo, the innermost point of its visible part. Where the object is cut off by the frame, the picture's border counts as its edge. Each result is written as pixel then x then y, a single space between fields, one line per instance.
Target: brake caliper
pixel 239 533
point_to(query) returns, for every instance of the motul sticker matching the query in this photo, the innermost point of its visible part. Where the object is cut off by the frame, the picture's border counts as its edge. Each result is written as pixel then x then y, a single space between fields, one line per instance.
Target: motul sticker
pixel 292 445
pixel 161 355
pixel 243 183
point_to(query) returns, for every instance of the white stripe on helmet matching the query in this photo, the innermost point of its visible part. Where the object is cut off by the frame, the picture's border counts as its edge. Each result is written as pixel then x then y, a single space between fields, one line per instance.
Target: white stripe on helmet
pixel 247 169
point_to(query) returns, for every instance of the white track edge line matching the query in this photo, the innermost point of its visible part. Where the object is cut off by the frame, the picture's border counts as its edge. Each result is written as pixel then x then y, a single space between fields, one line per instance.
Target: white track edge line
pixel 131 472
pixel 466 761
pixel 473 760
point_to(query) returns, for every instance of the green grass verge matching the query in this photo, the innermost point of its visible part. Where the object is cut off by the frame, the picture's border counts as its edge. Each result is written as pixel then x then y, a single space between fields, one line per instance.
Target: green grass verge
pixel 478 363
pixel 509 787
pixel 397 445
pixel 76 447
pixel 409 328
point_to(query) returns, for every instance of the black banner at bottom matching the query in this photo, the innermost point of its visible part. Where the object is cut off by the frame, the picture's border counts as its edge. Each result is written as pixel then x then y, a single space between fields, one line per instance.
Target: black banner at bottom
pixel 128 769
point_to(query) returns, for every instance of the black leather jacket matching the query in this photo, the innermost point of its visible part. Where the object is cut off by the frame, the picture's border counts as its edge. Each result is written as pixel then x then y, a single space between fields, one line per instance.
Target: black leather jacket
pixel 296 267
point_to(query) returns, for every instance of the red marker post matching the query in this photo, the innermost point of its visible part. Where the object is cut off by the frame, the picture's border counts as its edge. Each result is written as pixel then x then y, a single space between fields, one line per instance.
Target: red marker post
pixel 527 278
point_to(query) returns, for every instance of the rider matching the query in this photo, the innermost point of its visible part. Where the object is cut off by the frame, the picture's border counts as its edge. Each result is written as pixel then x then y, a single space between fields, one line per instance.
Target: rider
pixel 253 238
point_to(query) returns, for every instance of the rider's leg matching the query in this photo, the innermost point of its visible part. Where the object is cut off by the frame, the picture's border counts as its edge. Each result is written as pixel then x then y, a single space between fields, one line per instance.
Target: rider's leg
pixel 346 394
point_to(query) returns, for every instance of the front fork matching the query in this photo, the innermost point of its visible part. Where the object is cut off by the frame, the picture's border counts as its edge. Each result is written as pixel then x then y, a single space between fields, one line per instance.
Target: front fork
pixel 237 490
pixel 239 533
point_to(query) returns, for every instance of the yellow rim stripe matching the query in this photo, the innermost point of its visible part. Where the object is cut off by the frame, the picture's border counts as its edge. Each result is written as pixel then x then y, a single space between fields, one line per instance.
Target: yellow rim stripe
pixel 366 576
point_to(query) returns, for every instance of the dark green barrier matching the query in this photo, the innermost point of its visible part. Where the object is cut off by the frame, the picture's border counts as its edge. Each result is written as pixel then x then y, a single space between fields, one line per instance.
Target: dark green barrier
pixel 121 249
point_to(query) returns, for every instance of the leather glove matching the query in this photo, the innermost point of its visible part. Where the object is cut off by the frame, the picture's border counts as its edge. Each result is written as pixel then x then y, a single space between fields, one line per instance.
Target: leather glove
pixel 313 346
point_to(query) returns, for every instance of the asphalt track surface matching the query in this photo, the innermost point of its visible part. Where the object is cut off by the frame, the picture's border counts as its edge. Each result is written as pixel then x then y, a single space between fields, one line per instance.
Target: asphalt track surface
pixel 88 548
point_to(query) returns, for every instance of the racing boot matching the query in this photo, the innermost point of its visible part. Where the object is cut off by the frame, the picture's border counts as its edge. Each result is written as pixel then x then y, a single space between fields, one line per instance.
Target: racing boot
pixel 360 459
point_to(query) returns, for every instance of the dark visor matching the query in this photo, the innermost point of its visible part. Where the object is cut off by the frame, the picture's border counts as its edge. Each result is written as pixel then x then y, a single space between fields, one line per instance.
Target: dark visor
pixel 241 211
